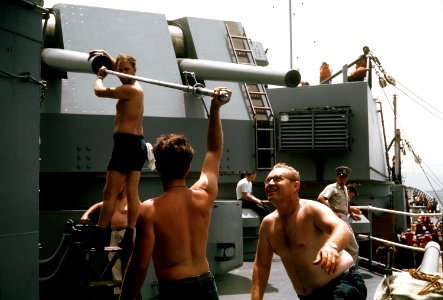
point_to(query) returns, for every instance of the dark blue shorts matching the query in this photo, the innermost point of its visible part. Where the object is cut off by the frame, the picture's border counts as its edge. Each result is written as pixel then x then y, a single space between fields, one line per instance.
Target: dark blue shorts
pixel 129 153
pixel 202 287
pixel 349 285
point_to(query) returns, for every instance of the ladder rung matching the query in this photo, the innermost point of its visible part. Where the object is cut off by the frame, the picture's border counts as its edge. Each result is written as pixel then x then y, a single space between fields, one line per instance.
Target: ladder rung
pixel 243 50
pixel 265 129
pixel 110 283
pixel 257 95
pixel 238 37
pixel 260 113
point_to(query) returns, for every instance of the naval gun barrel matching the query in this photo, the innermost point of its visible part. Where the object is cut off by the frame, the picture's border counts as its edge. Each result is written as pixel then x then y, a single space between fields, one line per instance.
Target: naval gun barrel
pixel 80 62
pixel 73 61
pixel 223 71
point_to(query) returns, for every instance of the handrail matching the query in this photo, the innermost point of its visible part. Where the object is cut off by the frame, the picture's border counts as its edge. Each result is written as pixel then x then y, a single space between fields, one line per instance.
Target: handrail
pixel 370 209
pixel 373 208
pixel 345 67
pixel 390 243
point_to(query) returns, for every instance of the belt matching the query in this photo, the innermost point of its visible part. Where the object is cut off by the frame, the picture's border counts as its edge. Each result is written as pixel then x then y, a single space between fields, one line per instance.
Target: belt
pixel 319 293
pixel 188 280
pixel 118 228
pixel 350 269
pixel 342 212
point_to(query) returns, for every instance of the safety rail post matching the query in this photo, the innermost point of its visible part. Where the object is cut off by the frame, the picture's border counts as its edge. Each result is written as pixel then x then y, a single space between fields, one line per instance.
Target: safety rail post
pixel 370 235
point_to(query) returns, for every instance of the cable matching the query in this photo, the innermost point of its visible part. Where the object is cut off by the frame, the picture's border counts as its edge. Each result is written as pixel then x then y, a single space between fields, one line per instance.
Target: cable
pixel 440 117
pixel 435 177
pixel 27 76
pixel 30 78
pixel 417 159
pixel 420 98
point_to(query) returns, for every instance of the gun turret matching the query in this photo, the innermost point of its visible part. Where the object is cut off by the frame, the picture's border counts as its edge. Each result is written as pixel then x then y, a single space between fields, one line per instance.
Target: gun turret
pixel 72 61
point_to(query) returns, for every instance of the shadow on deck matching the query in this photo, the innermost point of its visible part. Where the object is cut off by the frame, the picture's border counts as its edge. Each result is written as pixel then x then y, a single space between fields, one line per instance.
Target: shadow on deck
pixel 237 283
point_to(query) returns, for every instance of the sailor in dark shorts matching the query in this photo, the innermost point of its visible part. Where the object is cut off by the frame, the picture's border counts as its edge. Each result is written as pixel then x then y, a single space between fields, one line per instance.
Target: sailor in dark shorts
pixel 129 153
pixel 349 285
pixel 195 288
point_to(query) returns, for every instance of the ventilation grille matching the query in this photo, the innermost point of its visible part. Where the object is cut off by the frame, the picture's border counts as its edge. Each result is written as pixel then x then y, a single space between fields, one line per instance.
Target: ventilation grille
pixel 315 129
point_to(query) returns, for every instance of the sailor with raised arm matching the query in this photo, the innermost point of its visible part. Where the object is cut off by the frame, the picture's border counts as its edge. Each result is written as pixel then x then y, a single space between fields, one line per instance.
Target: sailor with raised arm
pixel 172 228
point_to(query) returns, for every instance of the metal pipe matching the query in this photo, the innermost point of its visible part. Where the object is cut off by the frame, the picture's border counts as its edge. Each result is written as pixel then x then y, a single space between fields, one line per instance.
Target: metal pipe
pixel 223 71
pixel 389 243
pixel 178 40
pixel 373 208
pixel 73 61
pixel 198 90
pixel 341 71
pixel 431 258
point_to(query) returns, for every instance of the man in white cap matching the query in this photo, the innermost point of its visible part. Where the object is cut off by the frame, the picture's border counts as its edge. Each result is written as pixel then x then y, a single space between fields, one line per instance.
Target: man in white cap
pixel 335 195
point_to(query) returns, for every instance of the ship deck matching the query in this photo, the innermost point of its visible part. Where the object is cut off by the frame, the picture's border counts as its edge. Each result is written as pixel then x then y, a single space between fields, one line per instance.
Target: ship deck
pixel 236 284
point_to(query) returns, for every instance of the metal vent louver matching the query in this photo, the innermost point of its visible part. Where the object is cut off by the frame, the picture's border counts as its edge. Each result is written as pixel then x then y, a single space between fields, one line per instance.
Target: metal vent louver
pixel 315 129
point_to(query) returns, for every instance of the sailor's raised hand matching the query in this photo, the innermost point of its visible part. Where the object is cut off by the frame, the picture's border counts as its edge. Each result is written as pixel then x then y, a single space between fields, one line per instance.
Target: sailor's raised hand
pixel 222 95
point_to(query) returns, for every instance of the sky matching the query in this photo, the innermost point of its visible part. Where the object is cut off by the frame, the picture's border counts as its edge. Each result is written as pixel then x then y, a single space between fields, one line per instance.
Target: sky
pixel 405 36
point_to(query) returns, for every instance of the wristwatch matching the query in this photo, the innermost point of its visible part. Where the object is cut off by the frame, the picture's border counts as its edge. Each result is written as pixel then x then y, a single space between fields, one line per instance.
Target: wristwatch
pixel 333 245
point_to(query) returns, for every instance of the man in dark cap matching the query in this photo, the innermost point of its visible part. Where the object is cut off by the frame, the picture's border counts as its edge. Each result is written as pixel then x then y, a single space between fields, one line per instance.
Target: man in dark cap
pixel 354 211
pixel 335 195
pixel 352 191
pixel 343 170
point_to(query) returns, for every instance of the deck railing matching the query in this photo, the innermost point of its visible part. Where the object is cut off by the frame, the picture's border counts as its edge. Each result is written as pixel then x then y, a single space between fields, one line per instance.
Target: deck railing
pixel 371 238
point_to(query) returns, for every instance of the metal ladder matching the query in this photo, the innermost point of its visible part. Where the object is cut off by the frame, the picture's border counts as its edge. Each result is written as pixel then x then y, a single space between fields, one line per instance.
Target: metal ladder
pixel 261 109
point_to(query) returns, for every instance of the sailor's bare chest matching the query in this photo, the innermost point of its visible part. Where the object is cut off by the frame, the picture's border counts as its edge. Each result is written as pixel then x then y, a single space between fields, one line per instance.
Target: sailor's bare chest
pixel 287 235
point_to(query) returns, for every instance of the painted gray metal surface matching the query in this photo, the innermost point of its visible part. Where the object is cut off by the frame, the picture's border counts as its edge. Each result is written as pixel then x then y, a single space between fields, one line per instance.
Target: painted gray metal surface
pixel 207 40
pixel 83 143
pixel 225 244
pixel 142 35
pixel 360 226
pixel 20 37
pixel 366 157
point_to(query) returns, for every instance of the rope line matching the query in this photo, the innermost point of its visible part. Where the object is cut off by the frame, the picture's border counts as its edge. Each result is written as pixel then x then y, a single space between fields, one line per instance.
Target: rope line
pixel 434 286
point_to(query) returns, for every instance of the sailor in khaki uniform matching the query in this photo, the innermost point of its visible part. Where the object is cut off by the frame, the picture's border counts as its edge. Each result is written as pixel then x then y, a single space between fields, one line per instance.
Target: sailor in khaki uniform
pixel 335 195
